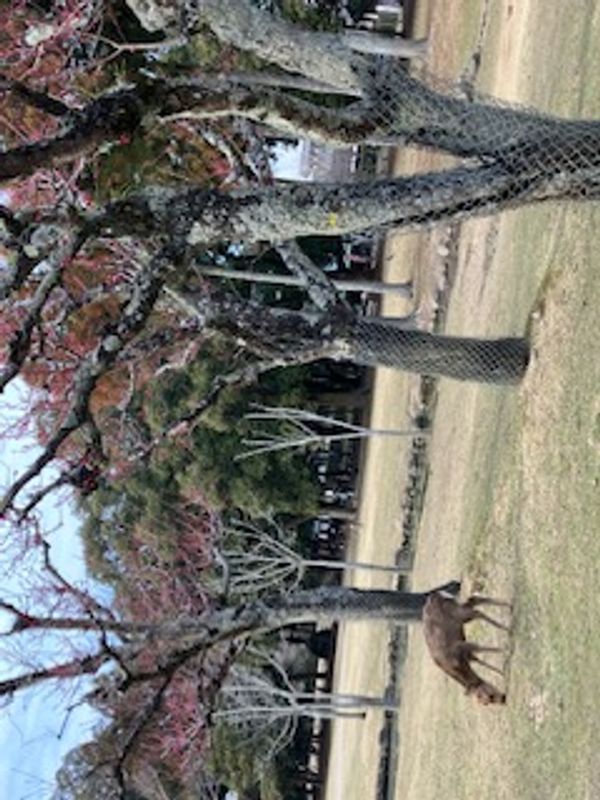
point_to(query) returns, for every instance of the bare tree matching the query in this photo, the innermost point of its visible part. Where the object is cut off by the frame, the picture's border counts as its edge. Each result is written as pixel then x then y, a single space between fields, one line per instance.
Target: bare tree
pixel 254 561
pixel 342 285
pixel 249 696
pixel 309 429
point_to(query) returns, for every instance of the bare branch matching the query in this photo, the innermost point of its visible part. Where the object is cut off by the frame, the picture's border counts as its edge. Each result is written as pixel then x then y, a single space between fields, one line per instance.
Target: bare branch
pixel 110 116
pixel 24 621
pixel 345 285
pixel 319 286
pixel 222 97
pixel 285 80
pixel 226 313
pixel 309 429
pixel 86 665
pixel 257 561
pixel 86 600
pixel 40 100
pixel 19 346
pixel 143 720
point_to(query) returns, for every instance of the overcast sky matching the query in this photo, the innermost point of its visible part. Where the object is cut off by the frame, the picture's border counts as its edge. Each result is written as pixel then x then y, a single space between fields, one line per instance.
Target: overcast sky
pixel 286 160
pixel 35 731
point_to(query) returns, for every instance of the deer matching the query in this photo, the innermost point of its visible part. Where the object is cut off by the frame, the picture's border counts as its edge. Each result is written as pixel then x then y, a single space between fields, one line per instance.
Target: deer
pixel 444 619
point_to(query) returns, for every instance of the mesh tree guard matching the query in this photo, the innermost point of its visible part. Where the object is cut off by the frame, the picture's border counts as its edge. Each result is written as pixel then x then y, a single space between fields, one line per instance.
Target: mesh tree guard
pixel 384 342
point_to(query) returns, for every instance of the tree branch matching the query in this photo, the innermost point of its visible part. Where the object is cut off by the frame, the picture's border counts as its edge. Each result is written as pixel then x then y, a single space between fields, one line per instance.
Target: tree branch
pixel 319 286
pixel 112 115
pixel 323 57
pixel 20 343
pixel 40 100
pixel 113 340
pixel 88 665
pixel 199 218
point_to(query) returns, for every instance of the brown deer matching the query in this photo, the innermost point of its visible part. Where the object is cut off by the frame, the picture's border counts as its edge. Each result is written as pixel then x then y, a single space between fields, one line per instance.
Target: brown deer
pixel 444 620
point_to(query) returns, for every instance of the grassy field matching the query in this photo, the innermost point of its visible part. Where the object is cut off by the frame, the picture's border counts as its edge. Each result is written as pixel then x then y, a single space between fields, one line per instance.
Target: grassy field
pixel 513 500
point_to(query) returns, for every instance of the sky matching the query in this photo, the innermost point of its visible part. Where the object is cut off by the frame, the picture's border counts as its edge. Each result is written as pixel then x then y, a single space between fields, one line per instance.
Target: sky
pixel 35 731
pixel 286 160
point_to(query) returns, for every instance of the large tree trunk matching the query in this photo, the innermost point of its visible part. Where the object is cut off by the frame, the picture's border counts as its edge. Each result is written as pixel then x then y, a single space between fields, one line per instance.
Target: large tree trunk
pixel 326 604
pixel 374 342
pixel 197 218
pixel 323 605
pixel 397 106
pixel 401 110
pixel 392 106
pixel 367 341
pixel 408 110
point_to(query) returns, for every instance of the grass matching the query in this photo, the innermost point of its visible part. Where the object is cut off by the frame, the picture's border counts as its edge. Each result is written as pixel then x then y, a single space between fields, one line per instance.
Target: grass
pixel 531 522
pixel 523 517
pixel 513 498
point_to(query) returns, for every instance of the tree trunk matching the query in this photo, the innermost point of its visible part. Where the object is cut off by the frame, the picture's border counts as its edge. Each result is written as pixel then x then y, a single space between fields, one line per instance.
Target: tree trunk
pixel 197 218
pixel 375 343
pixel 323 57
pixel 398 107
pixel 410 111
pixel 342 285
pixel 394 106
pixel 531 148
pixel 371 342
pixel 323 605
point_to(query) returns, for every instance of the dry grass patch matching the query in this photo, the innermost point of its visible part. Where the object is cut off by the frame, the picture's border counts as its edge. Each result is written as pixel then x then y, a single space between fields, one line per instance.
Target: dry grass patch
pixel 513 501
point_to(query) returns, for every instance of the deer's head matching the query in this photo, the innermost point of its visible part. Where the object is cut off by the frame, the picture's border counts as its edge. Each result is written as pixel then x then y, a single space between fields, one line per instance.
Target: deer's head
pixel 487 695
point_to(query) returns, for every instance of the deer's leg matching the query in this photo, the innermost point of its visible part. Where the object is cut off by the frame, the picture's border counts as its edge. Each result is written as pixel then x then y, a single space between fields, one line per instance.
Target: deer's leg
pixel 470 649
pixel 485 664
pixel 479 600
pixel 483 648
pixel 480 615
